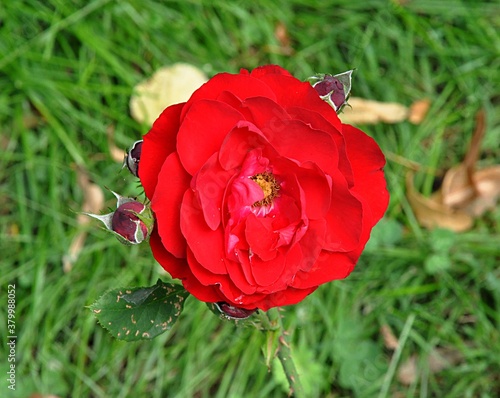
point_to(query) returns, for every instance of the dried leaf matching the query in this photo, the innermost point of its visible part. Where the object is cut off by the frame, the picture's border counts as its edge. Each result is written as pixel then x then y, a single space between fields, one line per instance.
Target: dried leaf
pixel 408 371
pixel 362 111
pixel 281 34
pixel 390 340
pixel 116 153
pixel 39 395
pixel 465 193
pixel 473 191
pixel 168 86
pixel 432 213
pixel 488 191
pixel 93 202
pixel 439 359
pixel 418 111
pixel 457 190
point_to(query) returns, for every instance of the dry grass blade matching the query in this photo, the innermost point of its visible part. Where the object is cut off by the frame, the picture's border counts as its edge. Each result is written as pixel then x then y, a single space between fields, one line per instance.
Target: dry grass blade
pixel 418 111
pixel 93 202
pixel 390 340
pixel 116 153
pixel 281 34
pixel 363 111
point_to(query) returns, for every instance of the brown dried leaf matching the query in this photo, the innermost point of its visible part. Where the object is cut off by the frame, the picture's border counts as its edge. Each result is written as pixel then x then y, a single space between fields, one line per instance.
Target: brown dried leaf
pixel 473 191
pixel 390 340
pixel 93 202
pixel 363 111
pixel 169 85
pixel 459 188
pixel 116 153
pixel 438 360
pixel 418 111
pixel 408 371
pixel 457 191
pixel 281 34
pixel 488 191
pixel 465 193
pixel 432 213
pixel 38 395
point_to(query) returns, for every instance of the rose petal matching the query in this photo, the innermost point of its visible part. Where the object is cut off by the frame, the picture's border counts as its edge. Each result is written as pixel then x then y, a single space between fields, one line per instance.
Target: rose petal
pixel 269 69
pixel 207 245
pixel 201 273
pixel 289 296
pixel 233 101
pixel 328 267
pixel 244 264
pixel 224 285
pixel 312 243
pixel 238 143
pixel 302 143
pixel 334 128
pixel 293 260
pixel 267 272
pixel 243 280
pixel 242 86
pixel 173 181
pixel 344 218
pixel 285 216
pixel 243 194
pixel 291 92
pixel 158 143
pixel 202 131
pixel 261 237
pixel 367 162
pixel 207 294
pixel 177 268
pixel 317 190
pixel 210 184
pixel 267 115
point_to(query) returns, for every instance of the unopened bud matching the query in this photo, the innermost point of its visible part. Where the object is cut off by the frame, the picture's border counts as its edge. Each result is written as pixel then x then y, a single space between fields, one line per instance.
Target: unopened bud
pixel 127 224
pixel 132 158
pixel 131 222
pixel 231 312
pixel 334 89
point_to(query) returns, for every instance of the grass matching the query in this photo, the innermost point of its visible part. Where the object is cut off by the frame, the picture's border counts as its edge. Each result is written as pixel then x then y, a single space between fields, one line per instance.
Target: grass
pixel 67 70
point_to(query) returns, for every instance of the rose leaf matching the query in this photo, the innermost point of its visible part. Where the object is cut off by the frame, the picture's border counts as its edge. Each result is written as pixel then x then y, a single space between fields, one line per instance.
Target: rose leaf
pixel 142 313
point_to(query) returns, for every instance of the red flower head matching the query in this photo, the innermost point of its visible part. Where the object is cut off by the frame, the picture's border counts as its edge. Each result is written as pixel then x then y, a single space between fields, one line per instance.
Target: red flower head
pixel 260 193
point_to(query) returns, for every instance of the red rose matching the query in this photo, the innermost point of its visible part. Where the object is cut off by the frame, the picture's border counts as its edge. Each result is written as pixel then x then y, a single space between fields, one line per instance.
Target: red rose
pixel 260 193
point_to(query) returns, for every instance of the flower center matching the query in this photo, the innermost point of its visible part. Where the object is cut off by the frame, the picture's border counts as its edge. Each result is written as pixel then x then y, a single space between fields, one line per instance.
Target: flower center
pixel 269 186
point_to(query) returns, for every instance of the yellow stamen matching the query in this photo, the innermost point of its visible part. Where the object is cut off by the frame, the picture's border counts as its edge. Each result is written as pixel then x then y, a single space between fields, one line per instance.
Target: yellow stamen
pixel 269 186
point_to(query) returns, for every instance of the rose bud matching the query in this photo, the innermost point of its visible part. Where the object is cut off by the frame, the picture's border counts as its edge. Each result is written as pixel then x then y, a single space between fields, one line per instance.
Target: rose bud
pixel 333 89
pixel 131 222
pixel 132 158
pixel 231 312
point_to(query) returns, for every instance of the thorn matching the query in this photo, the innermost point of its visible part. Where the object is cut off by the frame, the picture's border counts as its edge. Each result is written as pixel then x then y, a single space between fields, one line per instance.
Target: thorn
pixel 284 342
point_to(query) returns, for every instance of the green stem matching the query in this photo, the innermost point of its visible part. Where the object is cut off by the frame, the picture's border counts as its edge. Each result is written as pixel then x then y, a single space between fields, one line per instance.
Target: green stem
pixel 272 323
